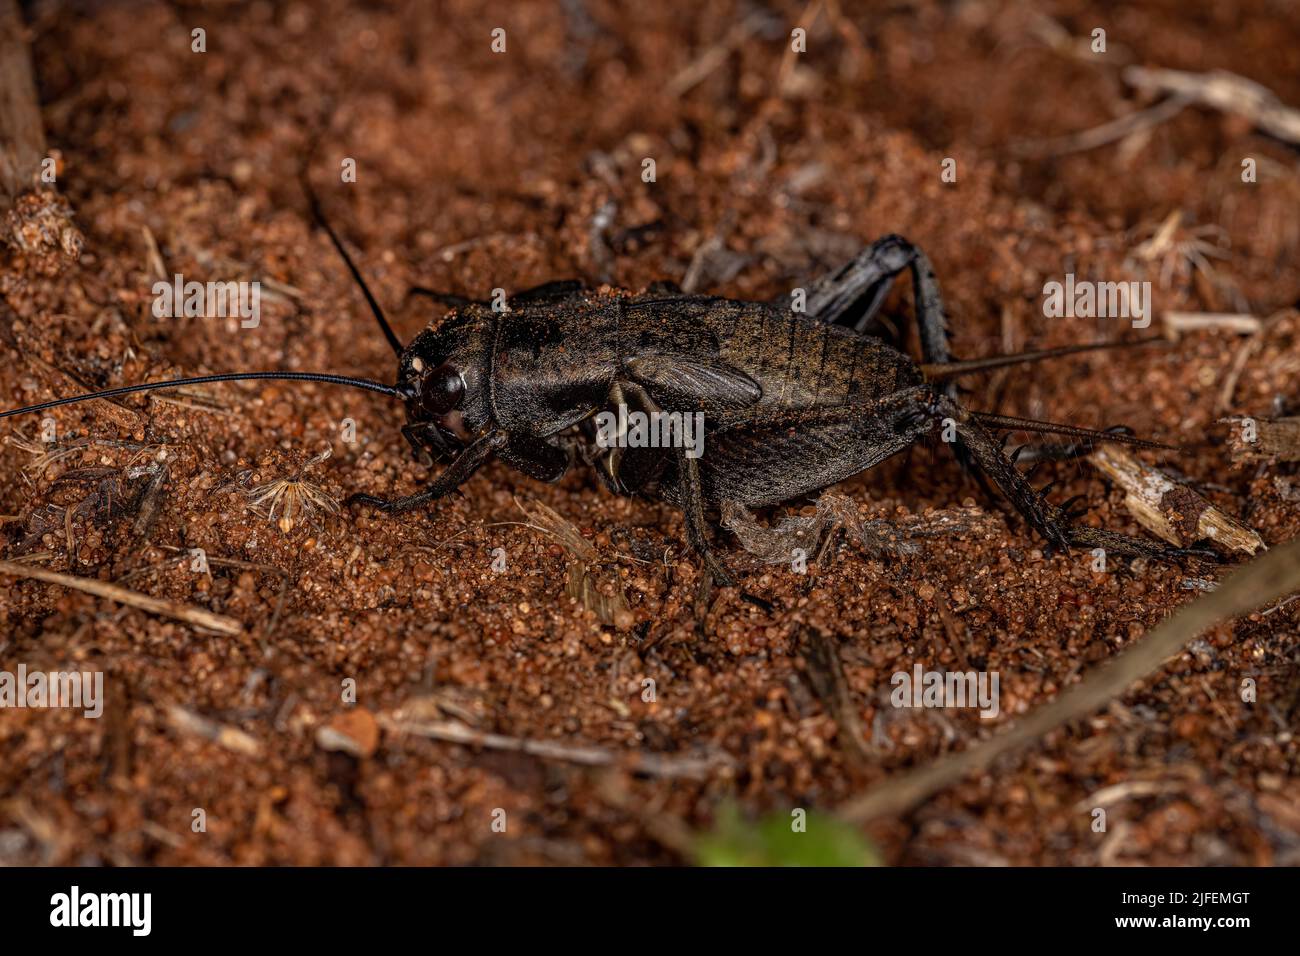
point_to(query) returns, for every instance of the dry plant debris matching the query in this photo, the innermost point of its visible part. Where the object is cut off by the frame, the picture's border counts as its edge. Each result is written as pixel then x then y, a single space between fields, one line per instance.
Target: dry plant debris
pixel 1173 511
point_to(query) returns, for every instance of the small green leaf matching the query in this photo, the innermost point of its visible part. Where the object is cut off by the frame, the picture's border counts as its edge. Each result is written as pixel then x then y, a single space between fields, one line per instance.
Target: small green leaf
pixel 797 838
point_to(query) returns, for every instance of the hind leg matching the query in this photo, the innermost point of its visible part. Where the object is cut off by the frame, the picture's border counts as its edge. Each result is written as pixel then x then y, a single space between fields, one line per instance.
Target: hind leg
pixel 1054 523
pixel 852 294
pixel 769 458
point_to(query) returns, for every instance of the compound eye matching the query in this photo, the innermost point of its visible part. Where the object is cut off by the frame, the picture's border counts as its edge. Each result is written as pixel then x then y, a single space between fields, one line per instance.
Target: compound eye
pixel 444 388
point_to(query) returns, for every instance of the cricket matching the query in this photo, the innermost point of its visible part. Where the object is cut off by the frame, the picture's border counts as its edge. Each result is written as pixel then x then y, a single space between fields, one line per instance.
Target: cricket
pixel 791 402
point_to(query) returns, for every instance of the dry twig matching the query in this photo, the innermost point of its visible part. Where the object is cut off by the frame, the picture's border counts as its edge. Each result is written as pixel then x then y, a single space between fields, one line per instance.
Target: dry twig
pixel 34 218
pixel 1219 89
pixel 1264 439
pixel 1174 512
pixel 651 764
pixel 231 738
pixel 1272 576
pixel 1179 322
pixel 826 674
pixel 179 612
pixel 1223 91
pixel 1109 132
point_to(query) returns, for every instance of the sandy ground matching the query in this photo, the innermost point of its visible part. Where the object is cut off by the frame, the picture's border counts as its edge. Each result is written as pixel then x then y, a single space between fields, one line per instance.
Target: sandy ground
pixel 478 170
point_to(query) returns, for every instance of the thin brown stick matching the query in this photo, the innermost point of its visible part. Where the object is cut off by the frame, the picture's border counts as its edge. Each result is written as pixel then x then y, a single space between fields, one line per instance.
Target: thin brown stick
pixel 231 738
pixel 281 595
pixel 1272 576
pixel 654 765
pixel 1241 324
pixel 180 612
pixel 150 502
pixel 1104 134
pixel 1245 352
pixel 34 218
pixel 1226 92
pixel 711 59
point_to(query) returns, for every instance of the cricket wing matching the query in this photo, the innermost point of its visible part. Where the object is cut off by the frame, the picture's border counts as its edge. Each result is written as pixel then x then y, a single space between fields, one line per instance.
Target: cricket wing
pixel 689 383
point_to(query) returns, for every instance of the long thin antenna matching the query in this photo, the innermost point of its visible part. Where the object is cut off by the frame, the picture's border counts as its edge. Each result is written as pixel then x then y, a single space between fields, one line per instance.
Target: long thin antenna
pixel 378 313
pixel 363 383
pixel 1011 423
pixel 942 371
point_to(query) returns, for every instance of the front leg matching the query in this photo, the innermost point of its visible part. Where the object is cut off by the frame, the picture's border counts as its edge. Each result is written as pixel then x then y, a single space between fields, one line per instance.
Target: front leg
pixel 453 476
pixel 417 436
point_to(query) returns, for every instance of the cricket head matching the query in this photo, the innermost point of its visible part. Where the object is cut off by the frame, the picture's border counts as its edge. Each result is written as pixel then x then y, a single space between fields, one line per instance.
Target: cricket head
pixel 444 377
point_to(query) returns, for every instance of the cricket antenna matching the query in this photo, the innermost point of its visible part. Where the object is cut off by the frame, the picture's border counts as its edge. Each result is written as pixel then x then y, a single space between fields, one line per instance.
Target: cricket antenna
pixel 362 383
pixel 375 310
pixel 943 371
pixel 1011 423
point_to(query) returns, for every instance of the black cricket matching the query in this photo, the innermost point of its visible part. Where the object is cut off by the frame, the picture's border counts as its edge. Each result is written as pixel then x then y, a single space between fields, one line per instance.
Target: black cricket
pixel 792 401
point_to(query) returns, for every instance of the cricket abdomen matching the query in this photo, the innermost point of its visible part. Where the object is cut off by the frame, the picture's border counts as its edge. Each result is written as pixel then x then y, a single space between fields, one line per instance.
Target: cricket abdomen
pixel 802 363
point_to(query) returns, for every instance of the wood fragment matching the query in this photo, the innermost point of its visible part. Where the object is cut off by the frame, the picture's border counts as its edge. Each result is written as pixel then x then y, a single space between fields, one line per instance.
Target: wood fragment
pixel 1219 89
pixel 1245 352
pixel 34 219
pixel 654 765
pixel 54 842
pixel 1267 578
pixel 714 57
pixel 219 562
pixel 153 255
pixel 22 137
pixel 1263 439
pixel 1172 511
pixel 1179 322
pixel 180 612
pixel 161 834
pixel 1108 796
pixel 231 738
pixel 120 415
pixel 668 829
